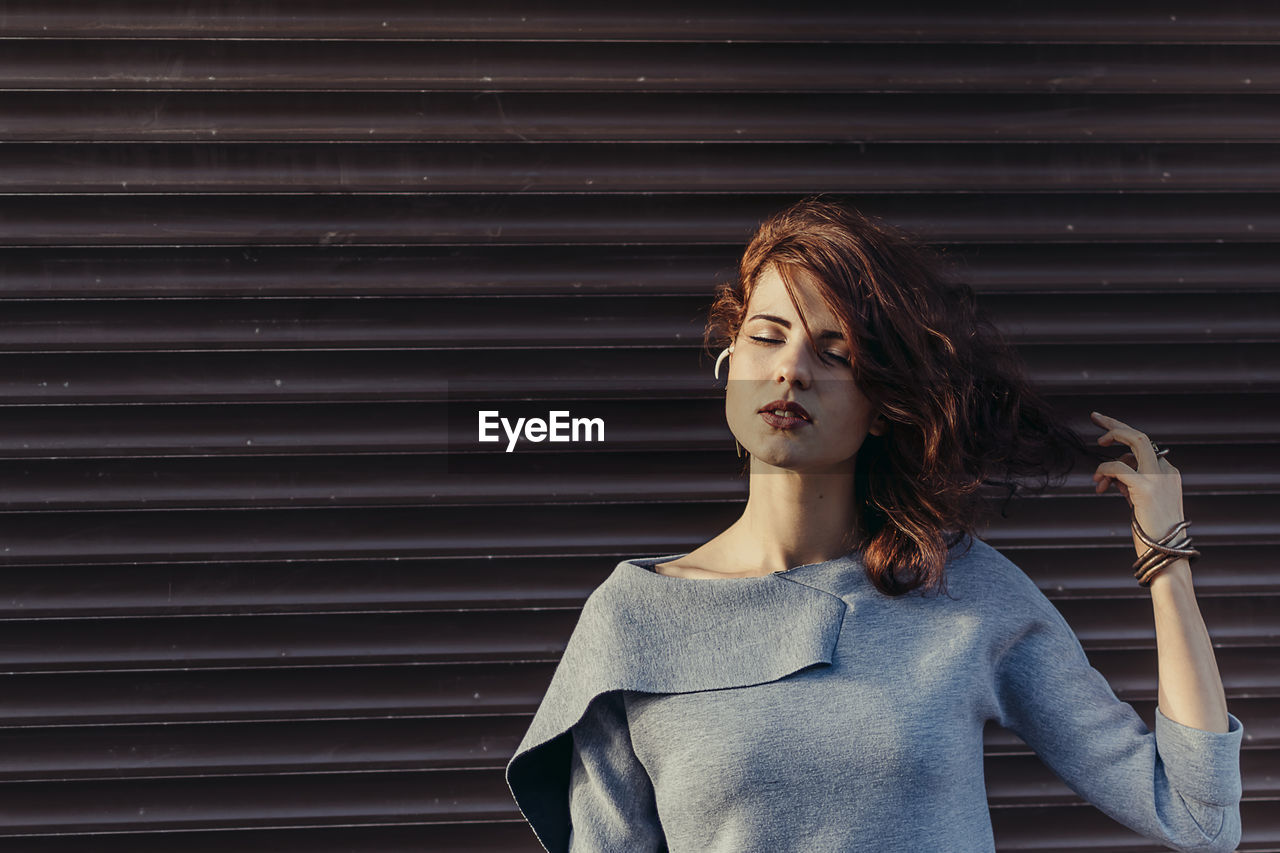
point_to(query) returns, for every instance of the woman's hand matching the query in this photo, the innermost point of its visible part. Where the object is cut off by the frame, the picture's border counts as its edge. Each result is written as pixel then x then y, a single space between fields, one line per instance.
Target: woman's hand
pixel 1189 686
pixel 1151 485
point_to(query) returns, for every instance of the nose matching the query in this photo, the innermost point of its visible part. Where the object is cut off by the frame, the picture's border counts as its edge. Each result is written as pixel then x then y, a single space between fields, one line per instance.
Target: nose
pixel 795 362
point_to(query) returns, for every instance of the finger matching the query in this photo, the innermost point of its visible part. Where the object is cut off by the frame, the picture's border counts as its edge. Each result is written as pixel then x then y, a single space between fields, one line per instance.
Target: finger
pixel 1105 420
pixel 1117 470
pixel 1115 429
pixel 1104 481
pixel 1144 453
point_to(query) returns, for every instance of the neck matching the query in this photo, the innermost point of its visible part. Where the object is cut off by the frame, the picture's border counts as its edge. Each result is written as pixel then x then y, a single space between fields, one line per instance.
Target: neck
pixel 793 518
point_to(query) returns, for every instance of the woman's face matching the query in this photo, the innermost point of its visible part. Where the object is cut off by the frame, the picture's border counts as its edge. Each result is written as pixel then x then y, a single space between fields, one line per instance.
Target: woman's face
pixel 773 360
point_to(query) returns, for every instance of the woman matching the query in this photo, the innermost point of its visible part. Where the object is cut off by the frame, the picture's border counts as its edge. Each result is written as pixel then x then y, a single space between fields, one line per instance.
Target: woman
pixel 798 683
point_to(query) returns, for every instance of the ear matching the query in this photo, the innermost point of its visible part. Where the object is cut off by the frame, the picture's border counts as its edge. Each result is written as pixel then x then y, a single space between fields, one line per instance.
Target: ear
pixel 879 426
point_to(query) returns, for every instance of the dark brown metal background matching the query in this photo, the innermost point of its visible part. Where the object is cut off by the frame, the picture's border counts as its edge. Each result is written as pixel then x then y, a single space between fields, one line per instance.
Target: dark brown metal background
pixel 248 249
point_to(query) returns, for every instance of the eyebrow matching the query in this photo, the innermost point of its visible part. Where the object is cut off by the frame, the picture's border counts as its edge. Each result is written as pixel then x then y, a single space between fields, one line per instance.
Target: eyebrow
pixel 786 324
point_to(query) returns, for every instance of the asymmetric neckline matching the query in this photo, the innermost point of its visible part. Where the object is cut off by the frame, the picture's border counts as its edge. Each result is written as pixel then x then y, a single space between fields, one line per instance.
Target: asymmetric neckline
pixel 646 565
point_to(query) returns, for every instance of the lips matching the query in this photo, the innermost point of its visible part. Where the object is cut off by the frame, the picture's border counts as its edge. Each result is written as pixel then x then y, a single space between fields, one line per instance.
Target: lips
pixel 791 407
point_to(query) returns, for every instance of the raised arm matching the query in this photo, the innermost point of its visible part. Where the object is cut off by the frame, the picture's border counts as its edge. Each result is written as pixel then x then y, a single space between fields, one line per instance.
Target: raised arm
pixel 1190 685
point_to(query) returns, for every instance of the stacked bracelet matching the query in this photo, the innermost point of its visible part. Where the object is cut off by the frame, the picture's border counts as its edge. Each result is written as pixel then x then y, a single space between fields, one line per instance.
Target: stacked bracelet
pixel 1162 553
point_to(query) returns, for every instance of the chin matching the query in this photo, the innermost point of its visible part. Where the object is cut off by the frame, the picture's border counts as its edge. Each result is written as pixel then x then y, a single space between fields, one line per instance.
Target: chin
pixel 784 457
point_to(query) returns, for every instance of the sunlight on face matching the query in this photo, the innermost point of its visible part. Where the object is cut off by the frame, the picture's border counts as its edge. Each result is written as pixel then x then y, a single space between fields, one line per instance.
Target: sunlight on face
pixel 773 359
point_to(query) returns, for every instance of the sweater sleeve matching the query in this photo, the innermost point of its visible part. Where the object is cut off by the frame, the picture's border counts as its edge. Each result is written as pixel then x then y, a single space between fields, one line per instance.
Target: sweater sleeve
pixel 1179 785
pixel 611 799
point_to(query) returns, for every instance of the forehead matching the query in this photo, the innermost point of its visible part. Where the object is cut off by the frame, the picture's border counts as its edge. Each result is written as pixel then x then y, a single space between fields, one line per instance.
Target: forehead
pixel 770 297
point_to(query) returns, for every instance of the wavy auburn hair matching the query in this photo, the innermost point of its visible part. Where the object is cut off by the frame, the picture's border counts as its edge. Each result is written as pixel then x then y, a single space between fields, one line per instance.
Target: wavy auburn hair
pixel 954 392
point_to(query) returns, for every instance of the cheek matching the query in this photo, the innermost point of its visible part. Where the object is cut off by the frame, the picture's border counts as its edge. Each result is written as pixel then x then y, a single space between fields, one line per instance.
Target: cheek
pixel 746 360
pixel 737 403
pixel 852 417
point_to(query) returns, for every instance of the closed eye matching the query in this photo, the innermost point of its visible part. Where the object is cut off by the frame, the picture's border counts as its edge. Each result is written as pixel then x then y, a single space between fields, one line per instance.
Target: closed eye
pixel 839 358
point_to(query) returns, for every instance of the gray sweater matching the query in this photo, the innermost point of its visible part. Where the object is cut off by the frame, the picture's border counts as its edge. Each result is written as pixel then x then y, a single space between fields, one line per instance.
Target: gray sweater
pixel 807 711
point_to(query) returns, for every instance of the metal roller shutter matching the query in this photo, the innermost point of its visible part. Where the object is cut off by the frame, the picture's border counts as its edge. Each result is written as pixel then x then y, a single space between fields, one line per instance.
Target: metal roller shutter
pixel 258 594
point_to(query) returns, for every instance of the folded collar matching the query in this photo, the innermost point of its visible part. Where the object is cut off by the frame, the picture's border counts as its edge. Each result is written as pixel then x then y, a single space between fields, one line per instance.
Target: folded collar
pixel 643 631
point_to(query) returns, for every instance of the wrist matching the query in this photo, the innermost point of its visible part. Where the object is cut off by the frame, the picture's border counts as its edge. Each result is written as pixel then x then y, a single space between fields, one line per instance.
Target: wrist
pixel 1175 574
